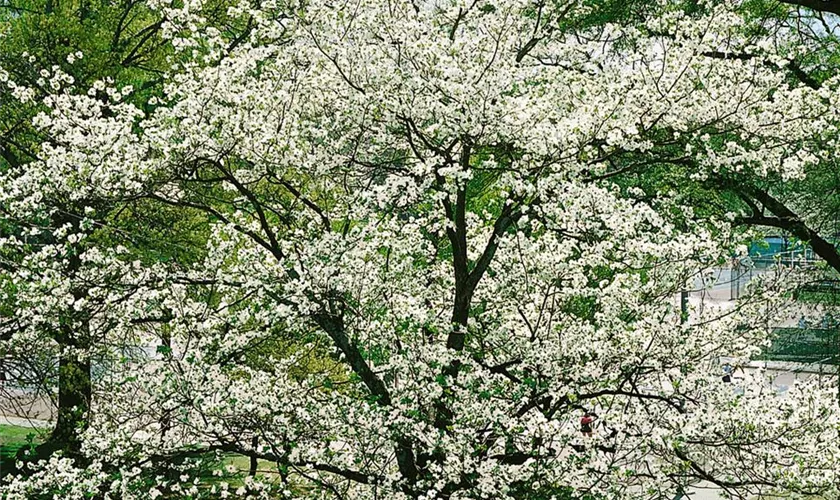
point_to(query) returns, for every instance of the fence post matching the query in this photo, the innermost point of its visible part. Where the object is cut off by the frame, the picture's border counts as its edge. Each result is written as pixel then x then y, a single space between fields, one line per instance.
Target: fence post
pixel 735 280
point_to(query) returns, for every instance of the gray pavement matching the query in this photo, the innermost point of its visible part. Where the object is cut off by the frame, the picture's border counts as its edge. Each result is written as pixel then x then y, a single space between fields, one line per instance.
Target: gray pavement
pixel 704 491
pixel 25 422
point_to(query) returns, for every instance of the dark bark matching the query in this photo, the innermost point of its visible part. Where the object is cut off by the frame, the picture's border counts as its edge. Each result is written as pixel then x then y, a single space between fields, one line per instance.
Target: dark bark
pixel 458 239
pixel 467 281
pixel 74 393
pixel 166 416
pixel 832 6
pixel 252 468
pixel 334 327
pixel 74 376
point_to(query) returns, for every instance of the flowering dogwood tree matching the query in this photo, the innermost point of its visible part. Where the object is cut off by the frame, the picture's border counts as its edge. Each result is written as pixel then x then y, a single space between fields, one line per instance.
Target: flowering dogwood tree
pixel 420 273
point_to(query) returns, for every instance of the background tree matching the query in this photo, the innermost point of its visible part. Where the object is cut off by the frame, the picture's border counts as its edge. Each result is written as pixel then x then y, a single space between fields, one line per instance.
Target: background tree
pixel 431 191
pixel 89 44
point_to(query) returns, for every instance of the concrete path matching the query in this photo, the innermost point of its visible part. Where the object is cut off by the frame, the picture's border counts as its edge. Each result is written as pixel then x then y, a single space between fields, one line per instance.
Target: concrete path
pixel 25 422
pixel 704 491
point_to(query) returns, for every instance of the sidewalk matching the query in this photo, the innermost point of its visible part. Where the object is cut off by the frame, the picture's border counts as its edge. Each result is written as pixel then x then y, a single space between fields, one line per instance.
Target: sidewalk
pixel 25 422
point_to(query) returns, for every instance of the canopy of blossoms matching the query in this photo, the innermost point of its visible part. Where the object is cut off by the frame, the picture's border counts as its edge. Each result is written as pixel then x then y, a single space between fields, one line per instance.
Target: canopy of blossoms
pixel 419 272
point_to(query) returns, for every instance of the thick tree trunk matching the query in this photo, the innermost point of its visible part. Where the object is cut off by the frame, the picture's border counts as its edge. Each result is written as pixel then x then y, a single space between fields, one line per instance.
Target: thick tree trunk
pixel 166 417
pixel 252 469
pixel 74 377
pixel 74 392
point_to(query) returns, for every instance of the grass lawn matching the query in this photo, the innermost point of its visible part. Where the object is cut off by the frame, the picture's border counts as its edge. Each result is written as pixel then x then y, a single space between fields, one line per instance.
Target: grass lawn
pixel 13 437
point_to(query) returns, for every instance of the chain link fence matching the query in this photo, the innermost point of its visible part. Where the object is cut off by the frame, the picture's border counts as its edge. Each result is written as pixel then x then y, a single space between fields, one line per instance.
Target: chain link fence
pixel 804 345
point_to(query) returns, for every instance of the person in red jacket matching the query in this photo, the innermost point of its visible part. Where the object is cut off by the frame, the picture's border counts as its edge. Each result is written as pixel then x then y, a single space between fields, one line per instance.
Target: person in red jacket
pixel 586 423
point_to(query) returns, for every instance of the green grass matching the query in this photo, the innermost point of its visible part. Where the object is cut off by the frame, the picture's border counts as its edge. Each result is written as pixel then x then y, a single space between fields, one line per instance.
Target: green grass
pixel 266 469
pixel 14 437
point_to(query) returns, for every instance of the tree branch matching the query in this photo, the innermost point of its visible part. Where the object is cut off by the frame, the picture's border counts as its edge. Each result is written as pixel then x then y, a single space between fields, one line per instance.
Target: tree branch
pixel 792 66
pixel 832 6
pixel 785 218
